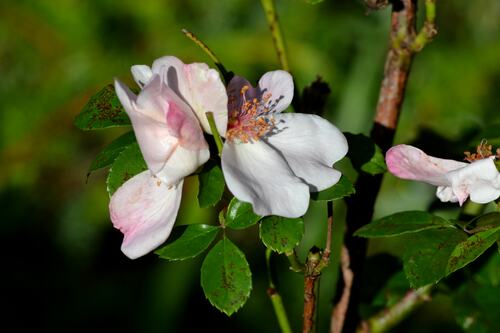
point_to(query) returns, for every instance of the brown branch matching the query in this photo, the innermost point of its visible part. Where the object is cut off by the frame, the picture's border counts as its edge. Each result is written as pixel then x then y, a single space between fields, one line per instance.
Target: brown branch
pixel 316 261
pixel 340 309
pixel 403 37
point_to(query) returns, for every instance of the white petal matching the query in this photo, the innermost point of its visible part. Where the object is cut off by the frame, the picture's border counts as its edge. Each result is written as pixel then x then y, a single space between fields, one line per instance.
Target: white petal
pixel 152 100
pixel 310 145
pixel 409 162
pixel 142 74
pixel 182 163
pixel 257 174
pixel 280 84
pixel 480 180
pixel 206 92
pixel 445 194
pixel 144 210
pixel 154 137
pixel 171 69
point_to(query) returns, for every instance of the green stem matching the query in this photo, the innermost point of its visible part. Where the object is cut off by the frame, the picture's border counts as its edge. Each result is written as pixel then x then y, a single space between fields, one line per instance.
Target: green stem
pixel 390 317
pixel 225 74
pixel 279 308
pixel 215 132
pixel 428 31
pixel 295 264
pixel 274 25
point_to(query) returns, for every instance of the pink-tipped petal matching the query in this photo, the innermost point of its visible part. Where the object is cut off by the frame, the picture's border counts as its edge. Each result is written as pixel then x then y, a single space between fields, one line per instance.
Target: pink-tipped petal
pixel 280 84
pixel 152 133
pixel 409 162
pixel 144 210
pixel 310 145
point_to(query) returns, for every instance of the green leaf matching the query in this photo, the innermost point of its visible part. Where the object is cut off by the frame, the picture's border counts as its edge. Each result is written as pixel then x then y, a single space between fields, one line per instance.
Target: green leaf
pixel 470 249
pixel 402 223
pixel 281 234
pixel 128 164
pixel 343 188
pixel 108 155
pixel 365 155
pixel 211 186
pixel 483 222
pixel 427 253
pixel 194 240
pixel 225 277
pixel 103 110
pixel 240 215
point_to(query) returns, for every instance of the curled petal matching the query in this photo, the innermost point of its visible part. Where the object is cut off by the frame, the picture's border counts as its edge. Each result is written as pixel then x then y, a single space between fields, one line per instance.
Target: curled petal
pixel 144 210
pixel 182 163
pixel 310 145
pixel 409 162
pixel 280 84
pixel 257 174
pixel 480 180
pixel 153 135
pixel 142 74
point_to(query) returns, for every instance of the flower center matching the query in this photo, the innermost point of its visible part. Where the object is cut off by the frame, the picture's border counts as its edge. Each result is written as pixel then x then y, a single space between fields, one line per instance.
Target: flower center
pixel 483 150
pixel 250 120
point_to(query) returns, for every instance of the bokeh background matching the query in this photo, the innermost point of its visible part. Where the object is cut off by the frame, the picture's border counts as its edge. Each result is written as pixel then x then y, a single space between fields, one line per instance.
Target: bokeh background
pixel 62 269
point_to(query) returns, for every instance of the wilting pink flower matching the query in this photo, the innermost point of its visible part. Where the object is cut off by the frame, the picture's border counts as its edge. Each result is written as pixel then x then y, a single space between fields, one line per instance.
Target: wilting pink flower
pixel 456 181
pixel 164 118
pixel 272 159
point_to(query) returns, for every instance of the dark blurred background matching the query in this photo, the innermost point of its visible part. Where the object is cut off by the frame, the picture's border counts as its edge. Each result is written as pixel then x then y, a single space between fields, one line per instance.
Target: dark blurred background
pixel 62 265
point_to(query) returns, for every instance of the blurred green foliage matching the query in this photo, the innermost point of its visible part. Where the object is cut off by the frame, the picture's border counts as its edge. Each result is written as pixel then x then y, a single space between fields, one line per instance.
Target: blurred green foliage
pixel 63 269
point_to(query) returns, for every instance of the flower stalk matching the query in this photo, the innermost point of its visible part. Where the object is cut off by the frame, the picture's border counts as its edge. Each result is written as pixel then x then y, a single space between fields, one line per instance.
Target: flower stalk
pixel 215 132
pixel 276 300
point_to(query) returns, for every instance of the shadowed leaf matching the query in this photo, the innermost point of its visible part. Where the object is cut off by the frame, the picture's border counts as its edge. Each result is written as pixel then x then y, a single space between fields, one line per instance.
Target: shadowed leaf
pixel 343 188
pixel 128 164
pixel 240 215
pixel 281 234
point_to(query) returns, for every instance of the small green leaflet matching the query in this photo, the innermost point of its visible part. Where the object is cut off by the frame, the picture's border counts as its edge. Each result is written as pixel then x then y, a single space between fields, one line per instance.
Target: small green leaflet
pixel 240 215
pixel 195 239
pixel 225 277
pixel 211 185
pixel 281 234
pixel 128 164
pixel 103 110
pixel 108 155
pixel 343 188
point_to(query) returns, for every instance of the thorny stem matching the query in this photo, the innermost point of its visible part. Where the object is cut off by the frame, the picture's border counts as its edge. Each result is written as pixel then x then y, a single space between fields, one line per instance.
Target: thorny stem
pixel 315 263
pixel 403 46
pixel 279 308
pixel 225 74
pixel 215 132
pixel 390 317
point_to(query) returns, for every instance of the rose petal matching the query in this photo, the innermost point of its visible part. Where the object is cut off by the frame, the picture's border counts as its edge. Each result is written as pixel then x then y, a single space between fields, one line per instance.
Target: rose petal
pixel 142 74
pixel 257 174
pixel 199 86
pixel 280 84
pixel 409 162
pixel 153 135
pixel 480 180
pixel 182 163
pixel 310 145
pixel 144 210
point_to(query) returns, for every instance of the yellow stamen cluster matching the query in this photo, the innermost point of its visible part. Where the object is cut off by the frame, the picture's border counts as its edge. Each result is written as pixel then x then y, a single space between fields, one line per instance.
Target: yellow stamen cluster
pixel 249 121
pixel 483 150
